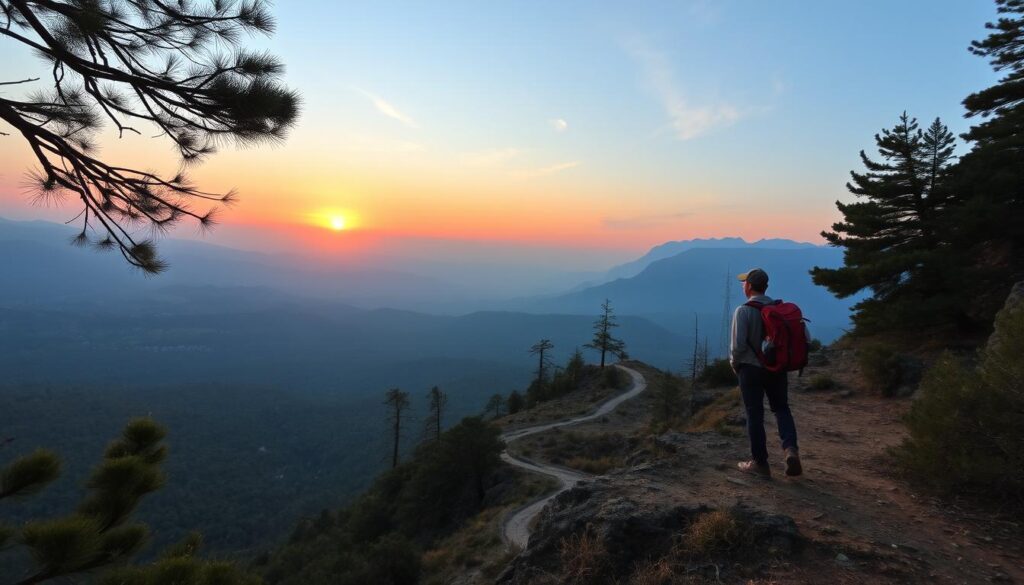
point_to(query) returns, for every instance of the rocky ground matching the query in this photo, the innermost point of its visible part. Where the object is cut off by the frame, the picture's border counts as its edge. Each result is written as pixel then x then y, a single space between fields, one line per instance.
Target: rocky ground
pixel 849 519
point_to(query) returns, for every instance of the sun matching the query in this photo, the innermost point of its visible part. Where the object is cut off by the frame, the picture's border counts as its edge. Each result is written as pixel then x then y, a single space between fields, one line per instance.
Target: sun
pixel 337 223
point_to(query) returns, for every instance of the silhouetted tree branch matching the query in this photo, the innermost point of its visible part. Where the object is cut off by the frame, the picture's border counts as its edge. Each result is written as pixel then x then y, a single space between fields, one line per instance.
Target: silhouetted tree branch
pixel 139 64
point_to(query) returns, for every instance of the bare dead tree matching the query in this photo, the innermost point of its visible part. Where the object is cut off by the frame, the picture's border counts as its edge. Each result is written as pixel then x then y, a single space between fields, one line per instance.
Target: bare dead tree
pixel 174 67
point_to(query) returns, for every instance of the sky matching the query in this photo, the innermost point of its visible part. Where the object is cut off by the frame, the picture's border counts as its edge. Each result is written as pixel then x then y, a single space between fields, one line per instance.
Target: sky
pixel 574 133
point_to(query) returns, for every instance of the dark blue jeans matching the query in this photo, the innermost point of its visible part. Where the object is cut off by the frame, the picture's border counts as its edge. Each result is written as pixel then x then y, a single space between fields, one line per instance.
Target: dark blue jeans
pixel 755 384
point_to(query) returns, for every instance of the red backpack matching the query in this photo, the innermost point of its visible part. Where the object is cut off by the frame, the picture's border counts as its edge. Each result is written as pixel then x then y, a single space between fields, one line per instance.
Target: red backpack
pixel 785 336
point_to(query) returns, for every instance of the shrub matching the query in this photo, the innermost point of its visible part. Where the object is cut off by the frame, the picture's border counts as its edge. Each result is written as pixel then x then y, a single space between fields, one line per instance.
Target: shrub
pixel 713 532
pixel 670 405
pixel 612 377
pixel 965 428
pixel 653 573
pixel 880 365
pixel 596 466
pixel 717 374
pixel 821 382
pixel 814 345
pixel 715 416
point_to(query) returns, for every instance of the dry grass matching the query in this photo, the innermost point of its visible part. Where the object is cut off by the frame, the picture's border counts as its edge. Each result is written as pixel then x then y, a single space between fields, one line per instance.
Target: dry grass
pixel 713 532
pixel 714 416
pixel 654 573
pixel 584 559
pixel 598 466
pixel 821 382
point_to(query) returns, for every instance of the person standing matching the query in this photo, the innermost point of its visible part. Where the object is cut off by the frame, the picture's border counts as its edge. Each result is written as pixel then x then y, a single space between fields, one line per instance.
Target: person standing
pixel 756 382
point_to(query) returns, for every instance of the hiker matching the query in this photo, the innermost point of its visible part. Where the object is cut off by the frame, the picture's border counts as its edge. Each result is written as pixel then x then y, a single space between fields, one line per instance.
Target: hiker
pixel 760 376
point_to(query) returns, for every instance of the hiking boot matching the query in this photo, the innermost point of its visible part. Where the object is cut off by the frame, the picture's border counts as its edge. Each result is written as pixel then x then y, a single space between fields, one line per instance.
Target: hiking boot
pixel 755 468
pixel 793 467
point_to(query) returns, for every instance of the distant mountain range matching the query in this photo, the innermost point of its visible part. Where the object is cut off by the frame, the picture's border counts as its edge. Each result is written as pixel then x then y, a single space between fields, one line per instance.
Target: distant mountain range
pixel 700 283
pixel 669 249
pixel 665 288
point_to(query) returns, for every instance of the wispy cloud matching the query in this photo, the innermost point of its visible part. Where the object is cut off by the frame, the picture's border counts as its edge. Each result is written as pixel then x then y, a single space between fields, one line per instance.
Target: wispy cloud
pixel 386 108
pixel 643 221
pixel 548 170
pixel 490 157
pixel 687 120
pixel 559 124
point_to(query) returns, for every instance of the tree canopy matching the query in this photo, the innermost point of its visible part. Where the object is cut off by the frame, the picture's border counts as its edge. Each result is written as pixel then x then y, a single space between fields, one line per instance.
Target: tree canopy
pixel 143 65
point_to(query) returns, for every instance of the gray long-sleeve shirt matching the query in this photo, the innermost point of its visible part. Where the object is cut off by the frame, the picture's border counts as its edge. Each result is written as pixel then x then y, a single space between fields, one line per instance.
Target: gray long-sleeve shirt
pixel 747 333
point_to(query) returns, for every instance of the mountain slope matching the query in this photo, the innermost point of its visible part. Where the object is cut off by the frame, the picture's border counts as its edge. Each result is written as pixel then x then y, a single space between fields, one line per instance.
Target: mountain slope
pixel 671 291
pixel 669 249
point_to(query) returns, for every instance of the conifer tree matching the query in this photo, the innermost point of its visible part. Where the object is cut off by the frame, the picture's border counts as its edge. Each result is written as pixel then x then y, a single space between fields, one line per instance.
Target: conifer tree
pixel 990 177
pixel 438 400
pixel 496 406
pixel 892 237
pixel 515 402
pixel 397 402
pixel 541 349
pixel 101 536
pixel 172 69
pixel 604 341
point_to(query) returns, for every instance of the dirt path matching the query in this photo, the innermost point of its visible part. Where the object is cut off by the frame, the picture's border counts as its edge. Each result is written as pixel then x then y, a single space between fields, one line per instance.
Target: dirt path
pixel 870 525
pixel 515 529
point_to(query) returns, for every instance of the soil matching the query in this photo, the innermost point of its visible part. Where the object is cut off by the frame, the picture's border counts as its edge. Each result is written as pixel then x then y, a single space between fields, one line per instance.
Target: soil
pixel 862 522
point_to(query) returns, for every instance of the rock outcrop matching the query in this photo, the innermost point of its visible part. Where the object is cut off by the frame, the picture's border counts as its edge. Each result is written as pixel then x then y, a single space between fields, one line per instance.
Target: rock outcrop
pixel 631 524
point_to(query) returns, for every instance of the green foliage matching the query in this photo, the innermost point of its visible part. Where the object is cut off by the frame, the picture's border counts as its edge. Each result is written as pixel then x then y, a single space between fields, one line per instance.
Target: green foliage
pixel 63 546
pixel 894 240
pixel 880 366
pixel 603 341
pixel 98 536
pixel 515 402
pixel 965 427
pixel 496 406
pixel 821 382
pixel 717 374
pixel 29 474
pixel 377 539
pixel 669 408
pixel 612 378
pixel 985 225
pixel 564 381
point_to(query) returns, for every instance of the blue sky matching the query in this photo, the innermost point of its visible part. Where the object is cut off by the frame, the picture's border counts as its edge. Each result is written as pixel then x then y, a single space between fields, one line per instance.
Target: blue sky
pixel 643 121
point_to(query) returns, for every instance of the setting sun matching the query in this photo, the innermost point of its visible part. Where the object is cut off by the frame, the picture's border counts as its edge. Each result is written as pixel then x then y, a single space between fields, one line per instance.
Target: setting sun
pixel 337 223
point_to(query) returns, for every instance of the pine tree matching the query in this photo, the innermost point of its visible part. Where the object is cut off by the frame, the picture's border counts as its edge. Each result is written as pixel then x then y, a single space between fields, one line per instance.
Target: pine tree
pixel 515 402
pixel 172 69
pixel 892 237
pixel 541 349
pixel 101 536
pixel 438 400
pixel 604 341
pixel 990 178
pixel 495 405
pixel 397 402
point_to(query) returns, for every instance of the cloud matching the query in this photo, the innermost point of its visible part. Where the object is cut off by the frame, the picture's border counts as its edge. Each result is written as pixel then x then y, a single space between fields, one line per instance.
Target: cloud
pixel 687 121
pixel 548 170
pixel 559 124
pixel 388 110
pixel 643 221
pixel 490 157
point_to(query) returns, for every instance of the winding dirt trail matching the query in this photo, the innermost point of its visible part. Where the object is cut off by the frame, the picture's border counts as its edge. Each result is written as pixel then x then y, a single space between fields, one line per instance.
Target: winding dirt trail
pixel 515 529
